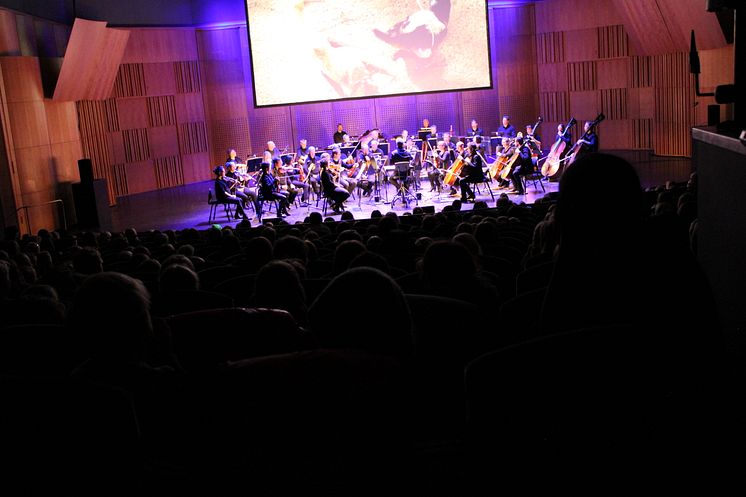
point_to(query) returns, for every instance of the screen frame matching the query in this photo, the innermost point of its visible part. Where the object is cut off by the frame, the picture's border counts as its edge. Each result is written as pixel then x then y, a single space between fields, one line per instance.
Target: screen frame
pixel 366 97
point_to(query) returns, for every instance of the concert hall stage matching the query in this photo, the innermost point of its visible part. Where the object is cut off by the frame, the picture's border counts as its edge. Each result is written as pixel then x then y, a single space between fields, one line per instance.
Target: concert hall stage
pixel 186 206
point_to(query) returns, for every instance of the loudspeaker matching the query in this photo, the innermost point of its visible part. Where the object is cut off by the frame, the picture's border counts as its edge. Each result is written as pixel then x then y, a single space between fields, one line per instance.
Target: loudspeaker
pixel 428 209
pixel 92 204
pixel 713 115
pixel 85 168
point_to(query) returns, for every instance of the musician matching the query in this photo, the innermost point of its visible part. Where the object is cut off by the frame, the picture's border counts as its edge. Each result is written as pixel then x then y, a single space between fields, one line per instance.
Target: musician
pixel 274 152
pixel 506 129
pixel 399 155
pixel 339 134
pixel 311 170
pixel 533 142
pixel 471 173
pixel 334 192
pixel 340 163
pixel 268 189
pixel 442 161
pixel 459 152
pixel 283 177
pixel 294 174
pixel 447 140
pixel 302 149
pixel 223 192
pixel 523 165
pixel 232 156
pixel 588 142
pixel 366 170
pixel 426 126
pixel 505 152
pixel 565 137
pixel 240 188
pixel 481 145
pixel 475 130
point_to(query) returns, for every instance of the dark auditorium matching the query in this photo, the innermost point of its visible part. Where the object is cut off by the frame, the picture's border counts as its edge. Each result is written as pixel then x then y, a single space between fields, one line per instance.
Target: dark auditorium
pixel 392 247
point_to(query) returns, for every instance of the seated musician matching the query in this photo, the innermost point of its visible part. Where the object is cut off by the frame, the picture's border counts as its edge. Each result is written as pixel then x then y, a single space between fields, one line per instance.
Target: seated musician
pixel 223 192
pixel 534 143
pixel 471 173
pixel 232 156
pixel 506 129
pixel 240 187
pixel 460 151
pixel 294 174
pixel 481 145
pixel 333 191
pixel 339 134
pixel 311 170
pixel 523 165
pixel 565 137
pixel 588 142
pixel 426 125
pixel 340 163
pixel 443 161
pixel 447 140
pixel 366 170
pixel 474 130
pixel 274 152
pixel 505 152
pixel 399 155
pixel 302 149
pixel 268 189
pixel 282 176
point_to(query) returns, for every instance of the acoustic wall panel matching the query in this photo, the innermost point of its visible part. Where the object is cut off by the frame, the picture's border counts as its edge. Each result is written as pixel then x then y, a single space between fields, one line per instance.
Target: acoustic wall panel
pixel 642 134
pixel 132 113
pixel 161 111
pixel 168 172
pixel 193 138
pixel 187 76
pixel 163 142
pixel 196 167
pixel 140 177
pixel 555 106
pixel 581 76
pixel 612 42
pixel 550 47
pixel 229 133
pixel 136 148
pixel 130 81
pixel 160 78
pixel 189 107
pixel 614 103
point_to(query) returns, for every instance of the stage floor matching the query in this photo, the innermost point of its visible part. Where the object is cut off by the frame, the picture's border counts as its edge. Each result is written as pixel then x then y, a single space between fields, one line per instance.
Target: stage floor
pixel 186 206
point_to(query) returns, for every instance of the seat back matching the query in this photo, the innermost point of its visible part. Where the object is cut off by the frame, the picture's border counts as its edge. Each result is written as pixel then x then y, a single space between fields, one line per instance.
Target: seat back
pixel 207 338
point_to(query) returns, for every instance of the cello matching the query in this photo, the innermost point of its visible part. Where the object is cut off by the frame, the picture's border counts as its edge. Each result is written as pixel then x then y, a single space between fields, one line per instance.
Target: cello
pixel 454 171
pixel 508 167
pixel 573 153
pixel 554 161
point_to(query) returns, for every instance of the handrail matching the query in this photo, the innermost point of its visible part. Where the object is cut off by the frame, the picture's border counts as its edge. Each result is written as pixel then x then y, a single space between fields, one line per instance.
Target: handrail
pixel 55 201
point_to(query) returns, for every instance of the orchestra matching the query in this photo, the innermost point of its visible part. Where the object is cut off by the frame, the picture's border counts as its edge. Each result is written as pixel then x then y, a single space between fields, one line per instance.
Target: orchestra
pixel 306 172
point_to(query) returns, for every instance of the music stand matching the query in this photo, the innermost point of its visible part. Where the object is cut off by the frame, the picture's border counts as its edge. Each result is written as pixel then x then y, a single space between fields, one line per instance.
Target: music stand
pixel 403 173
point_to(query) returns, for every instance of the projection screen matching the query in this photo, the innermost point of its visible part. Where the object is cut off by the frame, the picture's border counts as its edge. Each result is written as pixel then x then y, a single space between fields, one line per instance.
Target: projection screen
pixel 320 50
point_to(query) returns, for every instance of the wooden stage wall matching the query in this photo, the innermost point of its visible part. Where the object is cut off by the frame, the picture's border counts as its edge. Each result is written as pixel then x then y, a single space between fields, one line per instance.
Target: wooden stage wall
pixel 182 96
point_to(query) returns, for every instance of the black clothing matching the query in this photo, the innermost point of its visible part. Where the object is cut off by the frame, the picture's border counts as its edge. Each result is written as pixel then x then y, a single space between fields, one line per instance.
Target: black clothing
pixel 301 152
pixel 223 194
pixel 334 193
pixel 339 136
pixel 509 132
pixel 475 132
pixel 400 155
pixel 268 190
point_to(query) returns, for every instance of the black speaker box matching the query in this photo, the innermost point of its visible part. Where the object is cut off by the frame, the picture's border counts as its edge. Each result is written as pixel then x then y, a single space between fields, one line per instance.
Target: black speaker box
pixel 85 168
pixel 92 204
pixel 713 115
pixel 428 209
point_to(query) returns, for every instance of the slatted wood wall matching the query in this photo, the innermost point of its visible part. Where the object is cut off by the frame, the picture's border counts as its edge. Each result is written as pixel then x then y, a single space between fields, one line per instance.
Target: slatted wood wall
pixel 151 132
pixel 627 59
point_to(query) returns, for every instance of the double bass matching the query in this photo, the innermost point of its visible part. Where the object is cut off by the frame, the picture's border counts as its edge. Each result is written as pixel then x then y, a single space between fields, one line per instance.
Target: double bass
pixel 573 153
pixel 554 158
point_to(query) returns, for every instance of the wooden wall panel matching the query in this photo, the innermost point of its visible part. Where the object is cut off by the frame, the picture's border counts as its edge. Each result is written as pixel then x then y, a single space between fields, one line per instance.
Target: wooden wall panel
pixel 584 105
pixel 168 171
pixel 9 44
pixel 193 138
pixel 570 15
pixel 550 47
pixel 612 73
pixel 163 142
pixel 160 45
pixel 160 78
pixel 62 120
pixel 581 45
pixel 612 42
pixel 555 106
pixel 614 103
pixel 22 79
pixel 65 156
pixel 161 111
pixel 642 133
pixel 140 177
pixel 196 167
pixel 233 133
pixel 130 81
pixel 581 76
pixel 136 147
pixel 615 135
pixel 132 113
pixel 26 35
pixel 28 124
pixel 189 107
pixel 553 77
pixel 91 61
pixel 187 76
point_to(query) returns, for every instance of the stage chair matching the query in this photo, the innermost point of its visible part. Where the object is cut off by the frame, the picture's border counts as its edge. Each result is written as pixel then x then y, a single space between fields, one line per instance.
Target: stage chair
pixel 534 177
pixel 214 203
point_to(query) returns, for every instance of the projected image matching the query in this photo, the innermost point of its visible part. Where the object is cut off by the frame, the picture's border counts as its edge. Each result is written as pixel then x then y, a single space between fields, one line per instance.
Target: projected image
pixel 314 50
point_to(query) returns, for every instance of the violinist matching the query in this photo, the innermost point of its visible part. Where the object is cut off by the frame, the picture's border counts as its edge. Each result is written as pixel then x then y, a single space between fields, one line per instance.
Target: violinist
pixel 341 166
pixel 282 178
pixel 368 167
pixel 296 179
pixel 302 149
pixel 232 156
pixel 333 191
pixel 471 173
pixel 268 189
pixel 223 193
pixel 239 187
